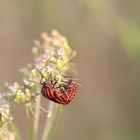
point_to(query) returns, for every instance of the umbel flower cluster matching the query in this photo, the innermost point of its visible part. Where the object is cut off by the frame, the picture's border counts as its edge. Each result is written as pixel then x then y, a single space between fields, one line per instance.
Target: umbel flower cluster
pixel 5 115
pixel 51 57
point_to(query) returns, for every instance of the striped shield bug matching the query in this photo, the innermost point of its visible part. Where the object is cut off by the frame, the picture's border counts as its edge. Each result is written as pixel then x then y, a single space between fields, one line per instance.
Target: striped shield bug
pixel 62 94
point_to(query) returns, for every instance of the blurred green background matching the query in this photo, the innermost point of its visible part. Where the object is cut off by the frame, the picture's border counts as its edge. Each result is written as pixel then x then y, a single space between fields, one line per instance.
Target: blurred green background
pixel 106 36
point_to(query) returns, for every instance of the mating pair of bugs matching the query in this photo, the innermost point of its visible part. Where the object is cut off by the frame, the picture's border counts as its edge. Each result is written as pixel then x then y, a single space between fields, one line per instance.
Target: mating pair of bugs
pixel 62 94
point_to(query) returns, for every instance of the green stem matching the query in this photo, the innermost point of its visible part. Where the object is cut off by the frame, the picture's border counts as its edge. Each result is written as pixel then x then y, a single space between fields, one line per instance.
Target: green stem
pixel 15 129
pixel 30 127
pixel 52 123
pixel 56 123
pixel 36 119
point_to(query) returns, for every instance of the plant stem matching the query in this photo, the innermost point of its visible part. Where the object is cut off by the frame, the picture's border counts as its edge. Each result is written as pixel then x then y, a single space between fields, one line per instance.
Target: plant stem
pixel 56 123
pixel 36 119
pixel 52 123
pixel 15 129
pixel 30 128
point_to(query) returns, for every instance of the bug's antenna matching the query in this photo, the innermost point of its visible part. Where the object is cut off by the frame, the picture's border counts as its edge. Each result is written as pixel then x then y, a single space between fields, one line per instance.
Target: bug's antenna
pixel 79 84
pixel 34 81
pixel 70 77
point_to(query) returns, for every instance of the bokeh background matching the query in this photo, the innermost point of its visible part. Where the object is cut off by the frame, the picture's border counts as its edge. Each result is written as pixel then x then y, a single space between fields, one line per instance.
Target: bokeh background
pixel 106 36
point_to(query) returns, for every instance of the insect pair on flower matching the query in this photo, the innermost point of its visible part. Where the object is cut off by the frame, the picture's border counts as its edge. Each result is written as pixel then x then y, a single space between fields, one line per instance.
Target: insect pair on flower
pixel 60 93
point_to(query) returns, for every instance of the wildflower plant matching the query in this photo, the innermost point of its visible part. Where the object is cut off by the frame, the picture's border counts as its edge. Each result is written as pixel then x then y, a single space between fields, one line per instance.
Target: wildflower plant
pixel 52 57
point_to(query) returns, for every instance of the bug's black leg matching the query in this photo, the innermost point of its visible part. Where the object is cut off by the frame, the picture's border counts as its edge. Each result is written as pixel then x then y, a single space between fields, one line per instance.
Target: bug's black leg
pixel 53 83
pixel 41 80
pixel 60 86
pixel 50 77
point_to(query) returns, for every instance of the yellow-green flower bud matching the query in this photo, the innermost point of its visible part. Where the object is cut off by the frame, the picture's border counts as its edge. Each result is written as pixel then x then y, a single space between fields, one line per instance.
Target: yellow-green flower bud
pixel 27 94
pixel 23 98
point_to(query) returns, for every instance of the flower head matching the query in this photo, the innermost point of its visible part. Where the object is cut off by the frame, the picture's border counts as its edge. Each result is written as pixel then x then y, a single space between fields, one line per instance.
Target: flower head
pixel 5 115
pixel 51 57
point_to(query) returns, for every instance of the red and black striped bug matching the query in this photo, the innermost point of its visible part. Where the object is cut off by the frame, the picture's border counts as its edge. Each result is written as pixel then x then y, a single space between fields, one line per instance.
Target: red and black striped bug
pixel 69 89
pixel 63 94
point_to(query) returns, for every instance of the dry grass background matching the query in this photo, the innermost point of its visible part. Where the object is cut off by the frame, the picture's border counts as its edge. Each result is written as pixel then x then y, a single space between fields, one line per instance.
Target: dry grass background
pixel 107 105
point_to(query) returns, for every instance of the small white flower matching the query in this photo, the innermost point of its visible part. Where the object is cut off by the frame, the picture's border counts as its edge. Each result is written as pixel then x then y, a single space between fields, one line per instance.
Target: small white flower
pixel 35 50
pixel 60 52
